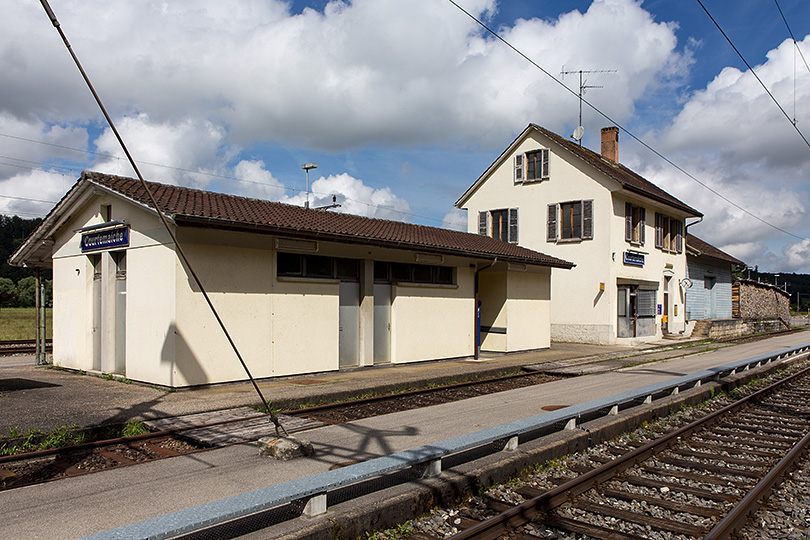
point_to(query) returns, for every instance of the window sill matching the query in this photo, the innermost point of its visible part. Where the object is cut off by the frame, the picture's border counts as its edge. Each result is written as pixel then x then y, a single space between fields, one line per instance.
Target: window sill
pixel 411 284
pixel 297 279
pixel 569 240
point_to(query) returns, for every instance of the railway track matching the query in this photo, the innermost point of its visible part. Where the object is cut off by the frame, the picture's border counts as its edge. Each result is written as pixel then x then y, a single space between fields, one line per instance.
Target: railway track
pixel 22 346
pixel 703 480
pixel 58 463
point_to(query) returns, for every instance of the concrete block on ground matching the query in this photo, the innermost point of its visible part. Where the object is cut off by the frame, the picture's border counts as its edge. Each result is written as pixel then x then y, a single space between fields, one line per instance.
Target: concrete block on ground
pixel 284 448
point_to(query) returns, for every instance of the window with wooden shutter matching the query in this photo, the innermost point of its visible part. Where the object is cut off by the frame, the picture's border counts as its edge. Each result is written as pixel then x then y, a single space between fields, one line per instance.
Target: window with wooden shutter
pixel 679 236
pixel 587 220
pixel 551 234
pixel 513 225
pixel 544 172
pixel 482 223
pixel 642 225
pixel 519 168
pixel 659 230
pixel 537 164
pixel 628 222
pixel 634 221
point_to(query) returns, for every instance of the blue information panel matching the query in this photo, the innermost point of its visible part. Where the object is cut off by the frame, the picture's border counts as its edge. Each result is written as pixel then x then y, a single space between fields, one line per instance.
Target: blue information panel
pixel 109 238
pixel 633 258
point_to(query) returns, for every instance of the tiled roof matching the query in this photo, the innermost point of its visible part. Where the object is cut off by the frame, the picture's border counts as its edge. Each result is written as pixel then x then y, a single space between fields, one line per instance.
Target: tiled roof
pixel 707 250
pixel 192 206
pixel 628 179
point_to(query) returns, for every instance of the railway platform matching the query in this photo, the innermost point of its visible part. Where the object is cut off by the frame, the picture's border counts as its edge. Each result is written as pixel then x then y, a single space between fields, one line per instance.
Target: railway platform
pixel 87 504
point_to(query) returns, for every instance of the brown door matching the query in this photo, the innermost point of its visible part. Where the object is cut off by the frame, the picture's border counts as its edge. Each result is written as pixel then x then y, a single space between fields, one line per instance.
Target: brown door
pixel 665 315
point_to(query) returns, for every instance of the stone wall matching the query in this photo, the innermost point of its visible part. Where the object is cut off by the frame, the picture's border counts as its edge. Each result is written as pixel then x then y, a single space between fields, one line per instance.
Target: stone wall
pixel 754 301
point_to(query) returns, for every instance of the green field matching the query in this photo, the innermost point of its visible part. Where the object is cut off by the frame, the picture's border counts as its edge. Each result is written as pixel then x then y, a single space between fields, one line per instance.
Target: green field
pixel 20 323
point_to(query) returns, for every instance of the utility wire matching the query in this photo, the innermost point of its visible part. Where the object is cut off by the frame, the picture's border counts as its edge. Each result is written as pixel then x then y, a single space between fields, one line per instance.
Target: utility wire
pixel 162 217
pixel 202 173
pixel 754 73
pixel 617 124
pixel 795 43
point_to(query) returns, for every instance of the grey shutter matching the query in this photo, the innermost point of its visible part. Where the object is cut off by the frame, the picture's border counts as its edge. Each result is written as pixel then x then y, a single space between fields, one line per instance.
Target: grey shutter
pixel 628 222
pixel 551 235
pixel 587 220
pixel 659 230
pixel 482 223
pixel 513 225
pixel 545 164
pixel 642 215
pixel 679 236
pixel 519 168
pixel 645 303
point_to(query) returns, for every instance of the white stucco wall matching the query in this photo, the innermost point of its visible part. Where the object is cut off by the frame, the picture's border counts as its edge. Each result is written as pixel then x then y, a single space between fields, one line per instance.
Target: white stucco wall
pixel 432 322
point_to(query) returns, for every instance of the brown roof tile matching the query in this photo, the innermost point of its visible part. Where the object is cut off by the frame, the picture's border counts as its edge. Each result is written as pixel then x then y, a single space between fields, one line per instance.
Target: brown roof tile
pixel 193 206
pixel 625 177
pixel 708 250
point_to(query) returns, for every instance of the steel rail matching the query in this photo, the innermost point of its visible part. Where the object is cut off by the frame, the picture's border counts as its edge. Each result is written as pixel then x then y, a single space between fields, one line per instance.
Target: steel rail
pixel 533 508
pixel 737 518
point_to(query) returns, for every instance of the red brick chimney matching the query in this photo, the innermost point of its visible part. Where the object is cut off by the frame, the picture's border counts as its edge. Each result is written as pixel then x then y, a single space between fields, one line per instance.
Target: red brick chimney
pixel 610 143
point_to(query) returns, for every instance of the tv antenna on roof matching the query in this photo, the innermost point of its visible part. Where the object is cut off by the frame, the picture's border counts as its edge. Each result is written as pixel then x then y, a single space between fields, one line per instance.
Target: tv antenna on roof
pixel 583 86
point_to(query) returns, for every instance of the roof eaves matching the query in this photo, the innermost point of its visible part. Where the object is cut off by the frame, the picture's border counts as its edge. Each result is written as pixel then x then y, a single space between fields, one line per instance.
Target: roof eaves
pixel 309 234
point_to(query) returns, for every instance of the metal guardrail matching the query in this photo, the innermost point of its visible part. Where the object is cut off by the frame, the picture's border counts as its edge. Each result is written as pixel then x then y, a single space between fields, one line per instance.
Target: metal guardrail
pixel 310 492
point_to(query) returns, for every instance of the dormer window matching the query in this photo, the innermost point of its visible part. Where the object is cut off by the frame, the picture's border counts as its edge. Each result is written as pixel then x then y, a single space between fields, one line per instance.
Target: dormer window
pixel 532 166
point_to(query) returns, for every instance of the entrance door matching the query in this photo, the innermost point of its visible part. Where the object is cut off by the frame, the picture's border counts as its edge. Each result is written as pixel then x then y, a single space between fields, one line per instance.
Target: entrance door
pixel 382 323
pixel 120 260
pixel 626 304
pixel 665 315
pixel 711 297
pixel 349 321
pixel 95 260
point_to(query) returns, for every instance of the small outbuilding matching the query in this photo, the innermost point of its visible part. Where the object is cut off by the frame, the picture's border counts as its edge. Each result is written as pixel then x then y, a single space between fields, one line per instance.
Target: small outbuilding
pixel 300 290
pixel 709 273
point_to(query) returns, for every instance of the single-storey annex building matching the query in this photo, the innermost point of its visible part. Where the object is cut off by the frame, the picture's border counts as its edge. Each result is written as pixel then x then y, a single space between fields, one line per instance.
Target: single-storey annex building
pixel 300 290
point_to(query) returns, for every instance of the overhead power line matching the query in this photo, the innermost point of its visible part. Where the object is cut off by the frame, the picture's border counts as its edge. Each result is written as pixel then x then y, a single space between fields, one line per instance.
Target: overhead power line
pixel 754 73
pixel 192 171
pixel 625 130
pixel 178 247
pixel 795 43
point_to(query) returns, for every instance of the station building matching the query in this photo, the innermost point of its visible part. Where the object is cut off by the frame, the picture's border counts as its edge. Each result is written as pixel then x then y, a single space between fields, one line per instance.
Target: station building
pixel 625 234
pixel 300 290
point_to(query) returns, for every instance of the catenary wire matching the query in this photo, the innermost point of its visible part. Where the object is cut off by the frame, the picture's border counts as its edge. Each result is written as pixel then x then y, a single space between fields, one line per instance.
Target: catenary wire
pixel 617 124
pixel 295 191
pixel 177 245
pixel 795 43
pixel 754 73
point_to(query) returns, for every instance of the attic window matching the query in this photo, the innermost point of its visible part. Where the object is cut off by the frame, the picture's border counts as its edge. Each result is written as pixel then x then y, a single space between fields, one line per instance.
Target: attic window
pixel 537 164
pixel 532 166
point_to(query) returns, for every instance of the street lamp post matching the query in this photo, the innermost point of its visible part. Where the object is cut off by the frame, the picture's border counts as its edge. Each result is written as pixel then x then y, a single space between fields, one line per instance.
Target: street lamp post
pixel 307 167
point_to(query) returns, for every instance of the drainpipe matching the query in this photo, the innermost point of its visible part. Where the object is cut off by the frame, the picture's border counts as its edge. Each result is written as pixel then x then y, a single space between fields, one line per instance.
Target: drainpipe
pixel 477 317
pixel 40 345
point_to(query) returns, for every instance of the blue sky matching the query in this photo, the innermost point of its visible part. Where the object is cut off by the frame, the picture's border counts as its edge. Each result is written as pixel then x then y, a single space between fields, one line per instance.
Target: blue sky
pixel 404 104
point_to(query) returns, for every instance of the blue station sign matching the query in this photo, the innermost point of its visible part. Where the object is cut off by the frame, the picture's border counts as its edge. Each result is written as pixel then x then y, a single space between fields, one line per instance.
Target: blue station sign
pixel 636 259
pixel 106 239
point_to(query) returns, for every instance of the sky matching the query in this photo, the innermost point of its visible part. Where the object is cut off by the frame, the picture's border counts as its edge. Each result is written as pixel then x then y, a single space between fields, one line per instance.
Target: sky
pixel 403 105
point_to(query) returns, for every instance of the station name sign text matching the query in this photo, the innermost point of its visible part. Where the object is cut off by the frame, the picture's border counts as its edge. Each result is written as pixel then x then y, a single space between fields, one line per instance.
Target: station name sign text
pixel 109 238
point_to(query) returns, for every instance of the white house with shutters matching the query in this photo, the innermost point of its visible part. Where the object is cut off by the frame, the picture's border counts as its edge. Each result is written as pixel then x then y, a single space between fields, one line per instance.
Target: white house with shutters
pixel 625 235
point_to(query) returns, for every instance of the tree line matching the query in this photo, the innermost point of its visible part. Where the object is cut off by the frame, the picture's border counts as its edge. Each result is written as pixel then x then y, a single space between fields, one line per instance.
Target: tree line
pixel 18 285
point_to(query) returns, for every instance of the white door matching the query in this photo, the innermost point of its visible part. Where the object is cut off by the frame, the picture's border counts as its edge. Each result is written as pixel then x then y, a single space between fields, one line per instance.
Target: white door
pixel 382 323
pixel 349 321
